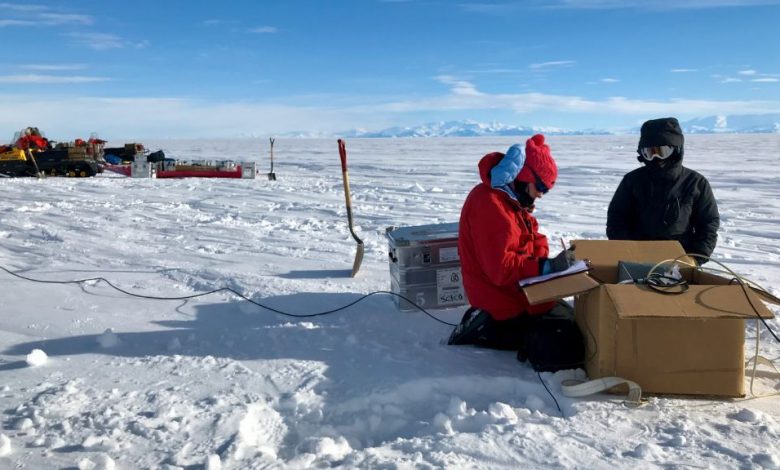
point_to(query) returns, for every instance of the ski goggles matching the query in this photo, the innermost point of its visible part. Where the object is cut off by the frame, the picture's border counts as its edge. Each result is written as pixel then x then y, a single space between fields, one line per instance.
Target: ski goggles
pixel 662 152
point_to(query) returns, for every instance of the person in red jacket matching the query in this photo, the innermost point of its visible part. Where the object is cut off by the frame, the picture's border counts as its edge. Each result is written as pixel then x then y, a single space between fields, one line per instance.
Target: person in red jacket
pixel 32 139
pixel 499 244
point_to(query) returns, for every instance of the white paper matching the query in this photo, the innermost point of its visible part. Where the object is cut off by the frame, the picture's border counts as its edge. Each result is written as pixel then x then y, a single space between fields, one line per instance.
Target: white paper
pixel 578 267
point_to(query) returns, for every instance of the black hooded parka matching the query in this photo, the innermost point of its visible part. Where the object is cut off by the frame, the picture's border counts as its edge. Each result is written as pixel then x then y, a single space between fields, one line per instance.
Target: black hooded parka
pixel 665 203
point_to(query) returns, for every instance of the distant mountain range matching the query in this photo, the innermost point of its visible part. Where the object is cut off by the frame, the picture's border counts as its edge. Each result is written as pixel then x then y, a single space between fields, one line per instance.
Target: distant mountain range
pixel 468 128
pixel 724 124
pixel 736 124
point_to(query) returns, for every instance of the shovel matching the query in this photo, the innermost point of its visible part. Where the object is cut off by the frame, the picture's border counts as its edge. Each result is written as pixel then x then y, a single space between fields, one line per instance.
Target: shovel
pixel 30 155
pixel 360 247
pixel 272 175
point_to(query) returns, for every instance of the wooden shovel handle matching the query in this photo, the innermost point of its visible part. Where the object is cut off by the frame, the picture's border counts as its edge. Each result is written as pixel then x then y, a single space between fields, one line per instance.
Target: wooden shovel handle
pixel 343 155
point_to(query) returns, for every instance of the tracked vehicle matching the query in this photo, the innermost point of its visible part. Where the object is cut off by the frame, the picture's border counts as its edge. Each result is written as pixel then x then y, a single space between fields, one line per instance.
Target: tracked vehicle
pixel 31 154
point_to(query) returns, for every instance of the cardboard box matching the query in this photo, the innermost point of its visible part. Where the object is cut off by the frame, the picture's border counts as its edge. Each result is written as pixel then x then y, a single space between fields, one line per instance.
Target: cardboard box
pixel 686 343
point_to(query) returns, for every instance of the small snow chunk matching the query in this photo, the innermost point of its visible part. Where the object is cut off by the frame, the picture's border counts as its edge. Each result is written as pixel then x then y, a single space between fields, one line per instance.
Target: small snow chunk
pixel 502 412
pixel 334 449
pixel 645 452
pixel 5 445
pixel 86 464
pixel 213 462
pixel 745 416
pixel 24 424
pixel 443 424
pixel 419 188
pixel 104 462
pixel 437 190
pixel 5 388
pixel 36 358
pixel 108 339
pixel 457 407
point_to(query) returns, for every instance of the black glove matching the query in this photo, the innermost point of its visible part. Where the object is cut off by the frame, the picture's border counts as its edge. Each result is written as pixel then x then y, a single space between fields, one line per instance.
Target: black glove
pixel 561 262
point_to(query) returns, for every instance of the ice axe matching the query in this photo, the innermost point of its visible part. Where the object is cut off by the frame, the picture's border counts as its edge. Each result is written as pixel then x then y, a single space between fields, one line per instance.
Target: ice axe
pixel 360 247
pixel 272 175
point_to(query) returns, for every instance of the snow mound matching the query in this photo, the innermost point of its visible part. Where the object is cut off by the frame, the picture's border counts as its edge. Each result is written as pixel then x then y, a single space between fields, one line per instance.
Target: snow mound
pixel 5 445
pixel 36 358
pixel 108 339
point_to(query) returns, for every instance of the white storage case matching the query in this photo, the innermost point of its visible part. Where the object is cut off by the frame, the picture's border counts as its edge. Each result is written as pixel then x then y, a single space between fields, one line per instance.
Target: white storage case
pixel 425 266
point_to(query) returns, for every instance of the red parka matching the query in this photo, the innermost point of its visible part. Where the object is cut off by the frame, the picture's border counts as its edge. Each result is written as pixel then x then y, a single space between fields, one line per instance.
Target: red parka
pixel 499 244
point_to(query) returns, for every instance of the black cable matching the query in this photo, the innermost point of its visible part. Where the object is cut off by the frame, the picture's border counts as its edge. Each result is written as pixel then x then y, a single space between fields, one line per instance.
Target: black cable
pixel 226 289
pixel 538 374
pixel 664 284
pixel 755 310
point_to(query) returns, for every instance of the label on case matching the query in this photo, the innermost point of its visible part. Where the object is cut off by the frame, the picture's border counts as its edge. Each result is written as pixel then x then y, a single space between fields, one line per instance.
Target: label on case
pixel 449 286
pixel 448 254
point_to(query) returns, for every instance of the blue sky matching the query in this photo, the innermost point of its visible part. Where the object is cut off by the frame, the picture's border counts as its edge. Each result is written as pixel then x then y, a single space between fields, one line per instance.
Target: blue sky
pixel 220 69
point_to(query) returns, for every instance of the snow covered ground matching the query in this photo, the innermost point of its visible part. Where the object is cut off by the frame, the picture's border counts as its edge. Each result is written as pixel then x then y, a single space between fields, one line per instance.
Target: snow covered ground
pixel 216 382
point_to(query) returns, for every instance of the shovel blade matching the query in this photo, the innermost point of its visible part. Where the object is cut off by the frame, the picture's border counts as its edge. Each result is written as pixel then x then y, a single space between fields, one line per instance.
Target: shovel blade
pixel 272 176
pixel 358 259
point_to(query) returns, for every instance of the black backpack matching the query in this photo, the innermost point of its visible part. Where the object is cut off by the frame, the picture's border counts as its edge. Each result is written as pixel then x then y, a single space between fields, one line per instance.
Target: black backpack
pixel 553 343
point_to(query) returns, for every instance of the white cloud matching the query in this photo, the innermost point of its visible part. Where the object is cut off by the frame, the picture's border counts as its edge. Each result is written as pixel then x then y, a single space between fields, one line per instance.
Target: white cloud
pixel 497 70
pixel 552 64
pixel 218 22
pixel 105 41
pixel 4 23
pixel 52 67
pixel 459 87
pixel 65 18
pixel 683 70
pixel 731 80
pixel 765 80
pixel 747 72
pixel 264 30
pixel 48 79
pixel 39 15
pixel 20 7
pixel 609 80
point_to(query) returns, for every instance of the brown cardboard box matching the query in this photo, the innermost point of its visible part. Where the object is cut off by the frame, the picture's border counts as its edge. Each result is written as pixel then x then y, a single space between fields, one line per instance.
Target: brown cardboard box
pixel 689 343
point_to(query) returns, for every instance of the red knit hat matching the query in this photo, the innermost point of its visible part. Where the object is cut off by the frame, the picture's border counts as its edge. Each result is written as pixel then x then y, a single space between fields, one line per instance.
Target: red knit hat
pixel 538 160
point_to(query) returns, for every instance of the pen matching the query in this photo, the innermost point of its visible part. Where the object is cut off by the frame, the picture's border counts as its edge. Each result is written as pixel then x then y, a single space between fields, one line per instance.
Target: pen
pixel 563 245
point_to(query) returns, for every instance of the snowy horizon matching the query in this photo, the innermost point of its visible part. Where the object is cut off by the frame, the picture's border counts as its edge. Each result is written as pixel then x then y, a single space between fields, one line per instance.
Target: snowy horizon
pixel 215 382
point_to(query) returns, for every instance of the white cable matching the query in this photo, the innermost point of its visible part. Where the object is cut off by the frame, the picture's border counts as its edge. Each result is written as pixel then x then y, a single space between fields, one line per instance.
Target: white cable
pixel 583 389
pixel 756 360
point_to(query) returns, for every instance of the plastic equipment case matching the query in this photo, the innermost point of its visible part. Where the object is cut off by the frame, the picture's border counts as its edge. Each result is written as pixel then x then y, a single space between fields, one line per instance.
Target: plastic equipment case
pixel 425 266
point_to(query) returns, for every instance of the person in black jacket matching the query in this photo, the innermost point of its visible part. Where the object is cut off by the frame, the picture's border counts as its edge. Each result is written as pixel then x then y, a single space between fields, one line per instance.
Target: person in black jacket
pixel 664 200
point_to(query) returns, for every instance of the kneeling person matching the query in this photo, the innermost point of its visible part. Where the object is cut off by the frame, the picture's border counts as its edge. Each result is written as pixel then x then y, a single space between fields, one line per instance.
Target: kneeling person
pixel 499 244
